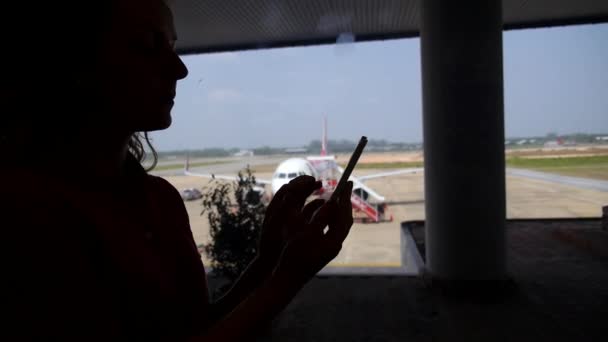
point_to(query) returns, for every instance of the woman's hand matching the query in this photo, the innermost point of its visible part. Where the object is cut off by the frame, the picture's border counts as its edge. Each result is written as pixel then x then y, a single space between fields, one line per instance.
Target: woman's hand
pixel 312 248
pixel 280 221
pixel 295 234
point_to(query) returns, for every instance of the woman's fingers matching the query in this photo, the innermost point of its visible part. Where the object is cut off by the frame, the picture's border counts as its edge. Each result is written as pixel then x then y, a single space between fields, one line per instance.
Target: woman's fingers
pixel 299 189
pixel 290 198
pixel 297 192
pixel 309 251
pixel 310 209
pixel 277 199
pixel 273 211
pixel 320 218
pixel 342 220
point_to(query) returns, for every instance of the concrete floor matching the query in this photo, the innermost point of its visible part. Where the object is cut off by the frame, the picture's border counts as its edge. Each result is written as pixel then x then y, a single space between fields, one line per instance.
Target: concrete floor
pixel 558 292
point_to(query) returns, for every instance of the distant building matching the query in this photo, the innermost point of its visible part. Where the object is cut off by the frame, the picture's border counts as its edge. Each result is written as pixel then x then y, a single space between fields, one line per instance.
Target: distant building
pixel 297 150
pixel 243 153
pixel 552 143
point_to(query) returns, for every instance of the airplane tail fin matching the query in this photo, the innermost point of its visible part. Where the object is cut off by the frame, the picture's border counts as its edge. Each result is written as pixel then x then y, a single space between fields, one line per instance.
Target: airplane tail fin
pixel 324 137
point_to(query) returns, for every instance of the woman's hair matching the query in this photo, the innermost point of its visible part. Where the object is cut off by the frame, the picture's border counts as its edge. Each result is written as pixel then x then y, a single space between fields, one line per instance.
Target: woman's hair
pixel 138 151
pixel 50 42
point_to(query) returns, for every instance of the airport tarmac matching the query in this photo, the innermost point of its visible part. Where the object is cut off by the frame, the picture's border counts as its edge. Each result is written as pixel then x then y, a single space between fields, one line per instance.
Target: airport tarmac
pixel 378 244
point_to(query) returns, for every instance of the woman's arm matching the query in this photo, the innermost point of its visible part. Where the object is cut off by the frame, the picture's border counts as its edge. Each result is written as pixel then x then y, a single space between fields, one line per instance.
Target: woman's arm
pixel 252 278
pixel 253 313
pixel 302 258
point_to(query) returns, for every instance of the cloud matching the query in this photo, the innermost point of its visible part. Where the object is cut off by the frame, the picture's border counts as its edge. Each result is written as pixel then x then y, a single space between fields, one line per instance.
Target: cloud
pixel 224 95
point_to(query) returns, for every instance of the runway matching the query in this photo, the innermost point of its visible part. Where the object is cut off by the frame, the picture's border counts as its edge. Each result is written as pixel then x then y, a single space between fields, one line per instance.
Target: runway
pixel 530 194
pixel 583 183
pixel 227 166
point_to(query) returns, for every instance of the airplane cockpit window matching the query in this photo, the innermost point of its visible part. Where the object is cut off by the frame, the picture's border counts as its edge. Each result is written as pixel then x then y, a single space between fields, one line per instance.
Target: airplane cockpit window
pixel 282 175
pixel 292 175
pixel 301 173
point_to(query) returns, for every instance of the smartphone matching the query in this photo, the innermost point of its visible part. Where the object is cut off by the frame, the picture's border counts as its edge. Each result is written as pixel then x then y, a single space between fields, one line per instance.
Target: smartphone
pixel 354 158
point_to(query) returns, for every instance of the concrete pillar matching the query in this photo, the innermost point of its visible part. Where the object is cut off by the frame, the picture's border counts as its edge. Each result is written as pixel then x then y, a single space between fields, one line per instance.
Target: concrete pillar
pixel 462 86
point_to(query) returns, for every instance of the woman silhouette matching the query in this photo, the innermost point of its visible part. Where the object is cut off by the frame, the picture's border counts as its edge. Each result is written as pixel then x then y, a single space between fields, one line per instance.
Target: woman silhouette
pixel 94 247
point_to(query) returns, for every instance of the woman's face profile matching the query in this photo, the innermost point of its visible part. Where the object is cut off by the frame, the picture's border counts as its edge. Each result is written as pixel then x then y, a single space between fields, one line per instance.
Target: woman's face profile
pixel 138 69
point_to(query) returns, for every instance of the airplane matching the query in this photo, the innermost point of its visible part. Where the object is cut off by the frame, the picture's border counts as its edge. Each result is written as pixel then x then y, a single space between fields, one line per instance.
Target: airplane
pixel 368 205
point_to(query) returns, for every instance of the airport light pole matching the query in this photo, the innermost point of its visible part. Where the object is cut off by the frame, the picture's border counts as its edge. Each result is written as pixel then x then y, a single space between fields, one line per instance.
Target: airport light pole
pixel 463 119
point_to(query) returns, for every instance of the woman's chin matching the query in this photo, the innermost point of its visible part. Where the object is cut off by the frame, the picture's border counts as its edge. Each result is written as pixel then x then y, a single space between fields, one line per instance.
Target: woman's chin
pixel 155 125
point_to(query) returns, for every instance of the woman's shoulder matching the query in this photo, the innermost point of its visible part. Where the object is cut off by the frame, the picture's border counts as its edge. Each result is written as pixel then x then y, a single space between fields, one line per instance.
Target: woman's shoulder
pixel 162 185
pixel 154 186
pixel 164 197
pixel 164 191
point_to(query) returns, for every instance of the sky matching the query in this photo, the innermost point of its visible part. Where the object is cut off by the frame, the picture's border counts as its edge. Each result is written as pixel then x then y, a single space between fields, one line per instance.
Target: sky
pixel 556 80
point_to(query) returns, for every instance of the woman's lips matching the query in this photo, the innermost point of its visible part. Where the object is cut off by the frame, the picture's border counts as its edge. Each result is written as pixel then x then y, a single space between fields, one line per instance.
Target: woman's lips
pixel 167 99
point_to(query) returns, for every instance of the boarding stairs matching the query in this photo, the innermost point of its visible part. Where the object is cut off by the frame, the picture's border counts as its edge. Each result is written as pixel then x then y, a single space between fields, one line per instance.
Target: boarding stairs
pixel 365 211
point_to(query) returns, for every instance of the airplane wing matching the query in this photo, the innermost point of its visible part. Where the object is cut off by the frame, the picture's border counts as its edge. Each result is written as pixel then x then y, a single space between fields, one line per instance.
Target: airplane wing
pixel 223 177
pixel 390 173
pixel 358 181
pixel 358 184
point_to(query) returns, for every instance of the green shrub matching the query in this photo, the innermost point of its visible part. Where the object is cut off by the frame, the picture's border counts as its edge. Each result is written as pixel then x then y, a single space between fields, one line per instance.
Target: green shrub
pixel 236 214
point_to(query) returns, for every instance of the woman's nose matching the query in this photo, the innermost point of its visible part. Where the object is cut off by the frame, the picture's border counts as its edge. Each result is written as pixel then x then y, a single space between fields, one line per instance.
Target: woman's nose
pixel 181 71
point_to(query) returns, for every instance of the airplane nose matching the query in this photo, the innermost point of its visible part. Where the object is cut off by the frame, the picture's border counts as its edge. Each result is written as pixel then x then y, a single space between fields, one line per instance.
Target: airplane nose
pixel 276 185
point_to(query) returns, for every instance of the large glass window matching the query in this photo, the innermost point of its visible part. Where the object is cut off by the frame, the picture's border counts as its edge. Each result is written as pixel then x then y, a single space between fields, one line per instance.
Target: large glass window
pixel 259 108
